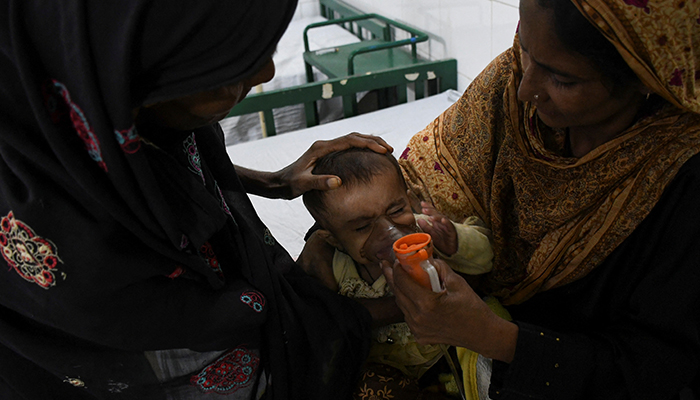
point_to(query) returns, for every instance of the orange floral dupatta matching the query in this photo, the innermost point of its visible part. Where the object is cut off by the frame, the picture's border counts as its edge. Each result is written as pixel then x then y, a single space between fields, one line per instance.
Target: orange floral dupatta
pixel 555 218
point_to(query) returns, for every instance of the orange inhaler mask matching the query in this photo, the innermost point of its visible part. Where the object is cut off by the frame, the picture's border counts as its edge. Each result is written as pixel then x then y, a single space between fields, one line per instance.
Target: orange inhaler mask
pixel 390 241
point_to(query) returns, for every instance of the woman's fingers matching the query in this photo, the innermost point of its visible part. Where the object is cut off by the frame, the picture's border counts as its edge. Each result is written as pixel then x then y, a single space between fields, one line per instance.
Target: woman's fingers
pixel 402 285
pixel 355 139
pixel 455 316
pixel 322 182
pixel 297 178
pixel 450 280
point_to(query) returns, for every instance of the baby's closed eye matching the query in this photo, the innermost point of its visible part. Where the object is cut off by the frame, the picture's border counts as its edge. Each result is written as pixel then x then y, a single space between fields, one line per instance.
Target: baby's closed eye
pixel 363 228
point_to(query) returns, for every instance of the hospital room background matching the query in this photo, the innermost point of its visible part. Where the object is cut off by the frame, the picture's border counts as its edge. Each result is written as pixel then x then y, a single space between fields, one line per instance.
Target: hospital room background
pixel 473 32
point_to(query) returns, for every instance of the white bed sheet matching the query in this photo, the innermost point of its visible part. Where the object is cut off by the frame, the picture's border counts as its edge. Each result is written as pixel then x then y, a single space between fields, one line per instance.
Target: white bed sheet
pixel 288 220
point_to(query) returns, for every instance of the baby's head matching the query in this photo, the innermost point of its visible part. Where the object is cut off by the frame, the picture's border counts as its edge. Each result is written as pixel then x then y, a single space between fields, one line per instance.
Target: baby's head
pixel 372 187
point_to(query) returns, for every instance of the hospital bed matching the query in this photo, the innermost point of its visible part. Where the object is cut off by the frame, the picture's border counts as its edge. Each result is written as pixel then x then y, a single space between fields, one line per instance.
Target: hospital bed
pixel 288 220
pixel 410 77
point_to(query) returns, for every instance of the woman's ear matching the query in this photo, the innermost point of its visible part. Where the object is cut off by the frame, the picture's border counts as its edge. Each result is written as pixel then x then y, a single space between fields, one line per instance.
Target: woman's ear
pixel 330 239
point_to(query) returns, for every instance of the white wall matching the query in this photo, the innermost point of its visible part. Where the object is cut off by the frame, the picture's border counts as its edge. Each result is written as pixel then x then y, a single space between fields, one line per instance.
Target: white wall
pixel 472 31
pixel 307 8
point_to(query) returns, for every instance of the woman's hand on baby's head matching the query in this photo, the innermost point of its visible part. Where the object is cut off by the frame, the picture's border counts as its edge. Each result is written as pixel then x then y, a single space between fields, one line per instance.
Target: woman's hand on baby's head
pixel 440 228
pixel 297 178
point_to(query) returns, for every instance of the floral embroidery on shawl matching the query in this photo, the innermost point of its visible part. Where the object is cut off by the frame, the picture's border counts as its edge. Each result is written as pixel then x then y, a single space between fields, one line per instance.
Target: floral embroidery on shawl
pixel 128 140
pixel 77 117
pixel 676 77
pixel 643 4
pixel 255 300
pixel 658 39
pixel 224 206
pixel 231 372
pixel 34 258
pixel 190 148
pixel 207 252
pixel 77 382
pixel 268 238
pixel 179 270
pixel 116 387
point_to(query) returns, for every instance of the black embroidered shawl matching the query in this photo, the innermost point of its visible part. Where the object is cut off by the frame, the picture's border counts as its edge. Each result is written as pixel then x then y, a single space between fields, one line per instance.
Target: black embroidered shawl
pixel 114 247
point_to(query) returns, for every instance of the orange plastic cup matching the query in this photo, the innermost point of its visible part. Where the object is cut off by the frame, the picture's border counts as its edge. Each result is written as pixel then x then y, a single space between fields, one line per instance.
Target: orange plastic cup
pixel 412 250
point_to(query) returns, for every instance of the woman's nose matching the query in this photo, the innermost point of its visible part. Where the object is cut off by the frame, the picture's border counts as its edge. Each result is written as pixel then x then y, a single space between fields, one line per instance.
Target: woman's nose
pixel 530 85
pixel 264 75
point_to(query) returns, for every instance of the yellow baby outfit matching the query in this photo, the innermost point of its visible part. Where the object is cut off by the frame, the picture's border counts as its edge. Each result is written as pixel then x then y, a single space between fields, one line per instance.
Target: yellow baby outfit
pixel 394 344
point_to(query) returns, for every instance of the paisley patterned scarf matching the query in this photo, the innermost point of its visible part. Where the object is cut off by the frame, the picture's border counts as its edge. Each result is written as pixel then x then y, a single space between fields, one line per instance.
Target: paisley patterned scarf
pixel 556 218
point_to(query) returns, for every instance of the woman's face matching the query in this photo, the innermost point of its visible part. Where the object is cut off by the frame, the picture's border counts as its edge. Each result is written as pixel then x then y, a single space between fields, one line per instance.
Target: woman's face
pixel 204 108
pixel 571 92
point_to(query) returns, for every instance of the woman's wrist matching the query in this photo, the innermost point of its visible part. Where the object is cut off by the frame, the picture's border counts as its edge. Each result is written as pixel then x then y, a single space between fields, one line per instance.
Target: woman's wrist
pixel 261 183
pixel 502 337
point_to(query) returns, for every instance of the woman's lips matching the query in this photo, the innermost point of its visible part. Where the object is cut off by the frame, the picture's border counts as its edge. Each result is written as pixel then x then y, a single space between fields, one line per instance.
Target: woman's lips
pixel 545 112
pixel 542 110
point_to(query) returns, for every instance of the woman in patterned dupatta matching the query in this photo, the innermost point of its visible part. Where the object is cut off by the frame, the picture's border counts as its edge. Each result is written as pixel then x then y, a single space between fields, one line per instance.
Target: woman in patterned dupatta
pixel 577 147
pixel 134 265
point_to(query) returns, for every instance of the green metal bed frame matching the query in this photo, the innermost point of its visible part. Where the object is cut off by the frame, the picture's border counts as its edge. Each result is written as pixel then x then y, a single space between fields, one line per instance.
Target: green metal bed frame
pixel 376 62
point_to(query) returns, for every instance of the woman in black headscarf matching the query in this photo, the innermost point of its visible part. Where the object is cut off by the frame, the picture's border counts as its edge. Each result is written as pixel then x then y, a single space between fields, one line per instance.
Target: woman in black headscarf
pixel 136 265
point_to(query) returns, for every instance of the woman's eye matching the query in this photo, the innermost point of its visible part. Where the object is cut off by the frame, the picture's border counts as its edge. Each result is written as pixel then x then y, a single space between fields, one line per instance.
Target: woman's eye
pixel 562 82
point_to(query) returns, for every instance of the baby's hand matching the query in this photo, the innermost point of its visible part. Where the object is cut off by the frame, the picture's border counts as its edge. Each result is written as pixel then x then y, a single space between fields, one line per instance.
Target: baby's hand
pixel 440 228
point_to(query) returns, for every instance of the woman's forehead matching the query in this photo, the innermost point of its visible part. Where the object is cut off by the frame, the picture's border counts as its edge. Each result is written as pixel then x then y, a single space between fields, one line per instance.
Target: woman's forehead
pixel 538 38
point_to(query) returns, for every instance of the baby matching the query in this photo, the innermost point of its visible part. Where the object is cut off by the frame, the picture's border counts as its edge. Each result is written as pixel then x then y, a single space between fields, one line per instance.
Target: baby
pixel 373 200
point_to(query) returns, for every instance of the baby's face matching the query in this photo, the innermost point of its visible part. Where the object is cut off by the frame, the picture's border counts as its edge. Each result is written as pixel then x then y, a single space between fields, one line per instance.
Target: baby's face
pixel 353 211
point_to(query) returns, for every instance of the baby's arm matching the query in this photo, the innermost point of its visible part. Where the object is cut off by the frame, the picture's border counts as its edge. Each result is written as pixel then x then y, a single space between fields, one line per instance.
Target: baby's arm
pixel 472 253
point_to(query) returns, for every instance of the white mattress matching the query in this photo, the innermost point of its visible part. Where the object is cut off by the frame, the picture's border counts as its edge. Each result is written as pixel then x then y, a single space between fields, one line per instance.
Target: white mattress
pixel 288 220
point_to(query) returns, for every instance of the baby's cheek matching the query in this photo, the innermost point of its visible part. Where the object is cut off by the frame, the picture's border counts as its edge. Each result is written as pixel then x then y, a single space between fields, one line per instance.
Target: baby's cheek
pixel 357 252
